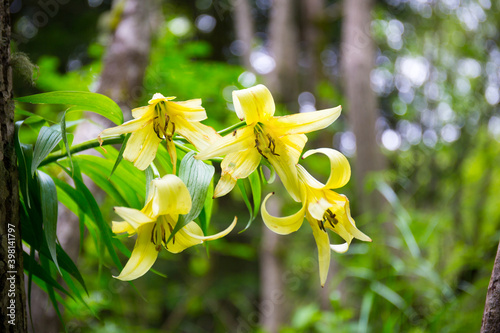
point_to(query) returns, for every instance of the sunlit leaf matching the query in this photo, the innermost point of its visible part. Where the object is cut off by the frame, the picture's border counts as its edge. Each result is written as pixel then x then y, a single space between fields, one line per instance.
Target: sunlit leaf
pixel 81 100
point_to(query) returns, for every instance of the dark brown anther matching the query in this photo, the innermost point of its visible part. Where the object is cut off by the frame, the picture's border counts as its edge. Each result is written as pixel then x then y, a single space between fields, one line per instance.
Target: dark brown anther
pixel 153 239
pixel 234 132
pixel 321 226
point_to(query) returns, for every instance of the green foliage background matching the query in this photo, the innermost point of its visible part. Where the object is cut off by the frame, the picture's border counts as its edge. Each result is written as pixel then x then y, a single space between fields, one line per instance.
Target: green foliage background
pixel 431 276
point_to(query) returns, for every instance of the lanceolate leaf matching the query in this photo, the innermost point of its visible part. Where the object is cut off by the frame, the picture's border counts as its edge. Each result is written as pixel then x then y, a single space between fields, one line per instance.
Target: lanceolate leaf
pixel 34 268
pixel 48 139
pixel 48 196
pixel 65 139
pixel 82 100
pixel 197 176
pixel 120 154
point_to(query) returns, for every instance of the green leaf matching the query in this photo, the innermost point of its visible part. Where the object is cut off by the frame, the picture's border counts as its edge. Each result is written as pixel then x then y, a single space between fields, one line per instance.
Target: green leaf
pixel 104 229
pixel 120 154
pixel 149 178
pixel 48 138
pixel 242 185
pixel 34 268
pixel 48 196
pixel 65 139
pixel 197 176
pixel 82 100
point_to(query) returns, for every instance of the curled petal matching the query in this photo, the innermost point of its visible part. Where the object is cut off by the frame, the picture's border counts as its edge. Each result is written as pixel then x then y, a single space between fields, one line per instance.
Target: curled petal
pixel 235 166
pixel 241 139
pixel 340 248
pixel 282 225
pixel 135 218
pixel 184 238
pixel 351 226
pixel 224 186
pixel 253 104
pixel 143 256
pixel 217 235
pixel 323 244
pixel 168 196
pixel 340 170
pixel 305 122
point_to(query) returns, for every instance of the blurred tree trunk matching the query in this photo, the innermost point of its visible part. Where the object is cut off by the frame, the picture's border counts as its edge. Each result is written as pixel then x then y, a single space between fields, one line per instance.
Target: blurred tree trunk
pixel 358 56
pixel 13 299
pixel 128 54
pixel 313 13
pixel 243 25
pixel 283 44
pixel 491 316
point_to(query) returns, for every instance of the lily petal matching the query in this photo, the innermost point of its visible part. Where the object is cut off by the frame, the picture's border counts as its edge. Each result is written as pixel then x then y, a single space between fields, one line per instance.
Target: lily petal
pixel 157 97
pixel 141 111
pixel 235 166
pixel 143 256
pixel 122 227
pixel 340 248
pixel 136 142
pixel 284 162
pixel 129 126
pixel 201 136
pixel 253 104
pixel 282 225
pixel 323 244
pixel 135 218
pixel 148 151
pixel 169 196
pixel 190 110
pixel 351 226
pixel 340 170
pixel 217 235
pixel 241 139
pixel 183 238
pixel 305 122
pixel 224 186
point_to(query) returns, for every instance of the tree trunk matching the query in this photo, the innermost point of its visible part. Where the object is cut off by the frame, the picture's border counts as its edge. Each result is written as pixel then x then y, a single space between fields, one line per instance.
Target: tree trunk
pixel 491 316
pixel 13 318
pixel 243 25
pixel 313 12
pixel 272 290
pixel 128 54
pixel 283 41
pixel 358 55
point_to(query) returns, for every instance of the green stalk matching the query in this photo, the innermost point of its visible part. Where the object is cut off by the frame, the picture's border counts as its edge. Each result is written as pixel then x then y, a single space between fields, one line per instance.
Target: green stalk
pixel 81 147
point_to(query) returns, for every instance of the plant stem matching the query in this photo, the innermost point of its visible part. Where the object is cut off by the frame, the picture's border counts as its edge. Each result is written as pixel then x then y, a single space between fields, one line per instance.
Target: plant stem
pixel 81 147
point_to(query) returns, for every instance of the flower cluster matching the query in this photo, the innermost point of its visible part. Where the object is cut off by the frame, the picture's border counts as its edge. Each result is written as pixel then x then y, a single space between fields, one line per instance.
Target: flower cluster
pixel 278 140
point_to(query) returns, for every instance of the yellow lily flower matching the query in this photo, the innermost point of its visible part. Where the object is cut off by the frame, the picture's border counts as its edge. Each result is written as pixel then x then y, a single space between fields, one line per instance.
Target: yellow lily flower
pixel 158 121
pixel 324 209
pixel 168 198
pixel 278 139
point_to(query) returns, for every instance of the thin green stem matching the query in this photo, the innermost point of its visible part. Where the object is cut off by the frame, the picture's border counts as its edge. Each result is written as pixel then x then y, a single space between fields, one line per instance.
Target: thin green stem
pixel 232 128
pixel 81 147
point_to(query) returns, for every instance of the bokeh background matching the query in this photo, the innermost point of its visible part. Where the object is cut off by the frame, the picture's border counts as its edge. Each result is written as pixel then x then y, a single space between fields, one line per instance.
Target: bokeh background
pixel 419 84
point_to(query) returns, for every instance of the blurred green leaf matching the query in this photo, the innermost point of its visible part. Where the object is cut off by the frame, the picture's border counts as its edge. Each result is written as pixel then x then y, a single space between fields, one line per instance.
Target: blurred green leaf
pixel 47 140
pixel 48 196
pixel 81 100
